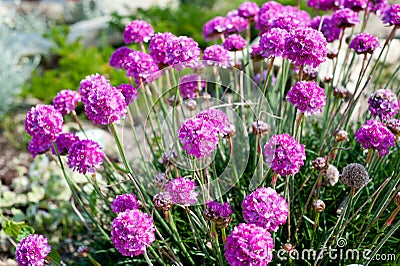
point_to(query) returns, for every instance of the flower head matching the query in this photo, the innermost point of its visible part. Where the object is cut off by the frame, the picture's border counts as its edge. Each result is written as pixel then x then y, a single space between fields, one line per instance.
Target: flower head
pixel 32 250
pixel 394 126
pixel 158 47
pixel 392 15
pixel 284 154
pixel 190 84
pixel 268 11
pixel 181 191
pixel 38 146
pixel 138 31
pixel 305 46
pixel 183 50
pixel 355 175
pixel 345 18
pixel 234 43
pixel 235 24
pixel 218 119
pixel 141 66
pixel 44 122
pixel 288 21
pixel 214 28
pixel 162 201
pixel 322 4
pixel 84 155
pixel 66 100
pixel 220 213
pixel 129 92
pixel 364 43
pixel 119 56
pixel 64 142
pixel 328 27
pixel 248 9
pixel 355 5
pixel 216 55
pixel 125 202
pixel 249 244
pixel 92 82
pixel 375 135
pixel 307 96
pixel 330 175
pixel 132 232
pixel 383 104
pixel 266 208
pixel 272 42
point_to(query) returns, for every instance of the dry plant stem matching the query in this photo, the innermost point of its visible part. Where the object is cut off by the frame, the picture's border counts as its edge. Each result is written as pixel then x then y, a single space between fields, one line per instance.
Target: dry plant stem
pixel 191 226
pixel 288 201
pixel 142 47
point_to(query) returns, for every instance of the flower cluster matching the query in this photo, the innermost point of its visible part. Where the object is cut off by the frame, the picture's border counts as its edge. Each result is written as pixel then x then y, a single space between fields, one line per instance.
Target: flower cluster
pixel 322 4
pixel 182 50
pixel 141 66
pixel 190 85
pixel 375 135
pixel 119 56
pixel 266 208
pixel 284 155
pixel 220 213
pixel 216 54
pixel 181 191
pixel 125 202
pixel 138 31
pixel 132 232
pixel 84 155
pixel 249 244
pixel 377 6
pixel 214 28
pixel 248 9
pixel 328 27
pixel 364 43
pixel 235 23
pixel 272 42
pixel 38 146
pixel 234 43
pixel 157 47
pixel 32 250
pixel 44 122
pixel 383 104
pixel 63 142
pixel 66 100
pixel 307 96
pixel 218 119
pixel 345 18
pixel 129 92
pixel 90 83
pixel 392 15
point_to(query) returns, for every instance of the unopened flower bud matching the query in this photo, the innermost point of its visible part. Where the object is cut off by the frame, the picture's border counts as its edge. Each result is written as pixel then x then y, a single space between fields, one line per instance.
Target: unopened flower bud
pixel 318 205
pixel 341 135
pixel 319 163
pixel 340 92
pixel 332 53
pixel 173 101
pixel 160 180
pixel 169 157
pixel 288 247
pixel 397 199
pixel 191 105
pixel 260 128
pixel 162 201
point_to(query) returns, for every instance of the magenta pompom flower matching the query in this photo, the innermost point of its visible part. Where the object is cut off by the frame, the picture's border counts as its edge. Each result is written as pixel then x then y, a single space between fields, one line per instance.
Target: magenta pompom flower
pixel 219 213
pixel 248 9
pixel 158 47
pixel 328 27
pixel 249 244
pixel 64 142
pixel 234 43
pixel 181 191
pixel 345 18
pixel 125 202
pixel 214 28
pixel 288 21
pixel 92 82
pixel 105 105
pixel 44 122
pixel 377 6
pixel 375 135
pixel 183 50
pixel 132 232
pixel 32 250
pixel 307 96
pixel 384 104
pixel 235 24
pixel 198 136
pixel 322 4
pixel 305 46
pixel 364 43
pixel 66 100
pixel 216 55
pixel 355 5
pixel 267 13
pixel 141 66
pixel 38 146
pixel 266 208
pixel 129 92
pixel 284 154
pixel 138 31
pixel 218 119
pixel 84 156
pixel 190 85
pixel 392 15
pixel 272 42
pixel 119 56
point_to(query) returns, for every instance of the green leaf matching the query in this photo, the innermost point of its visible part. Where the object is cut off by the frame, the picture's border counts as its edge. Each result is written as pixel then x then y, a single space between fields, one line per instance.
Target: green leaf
pixel 17 230
pixel 54 257
pixel 24 231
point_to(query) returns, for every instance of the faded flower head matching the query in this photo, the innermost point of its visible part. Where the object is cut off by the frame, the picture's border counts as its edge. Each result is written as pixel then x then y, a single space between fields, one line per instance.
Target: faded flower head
pixel 234 43
pixel 220 213
pixel 158 47
pixel 32 250
pixel 355 175
pixel 38 146
pixel 249 244
pixel 214 28
pixel 125 202
pixel 383 104
pixel 63 142
pixel 392 15
pixel 305 46
pixel 132 232
pixel 190 85
pixel 217 118
pixel 216 54
pixel 248 9
pixel 160 179
pixel 284 155
pixel 162 201
pixel 181 191
pixel 307 96
pixel 84 156
pixel 66 100
pixel 119 56
pixel 328 27
pixel 44 122
pixel 341 135
pixel 364 43
pixel 345 18
pixel 330 176
pixel 375 135
pixel 394 126
pixel 138 31
pixel 266 208
pixel 272 42
pixel 129 92
pixel 183 50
